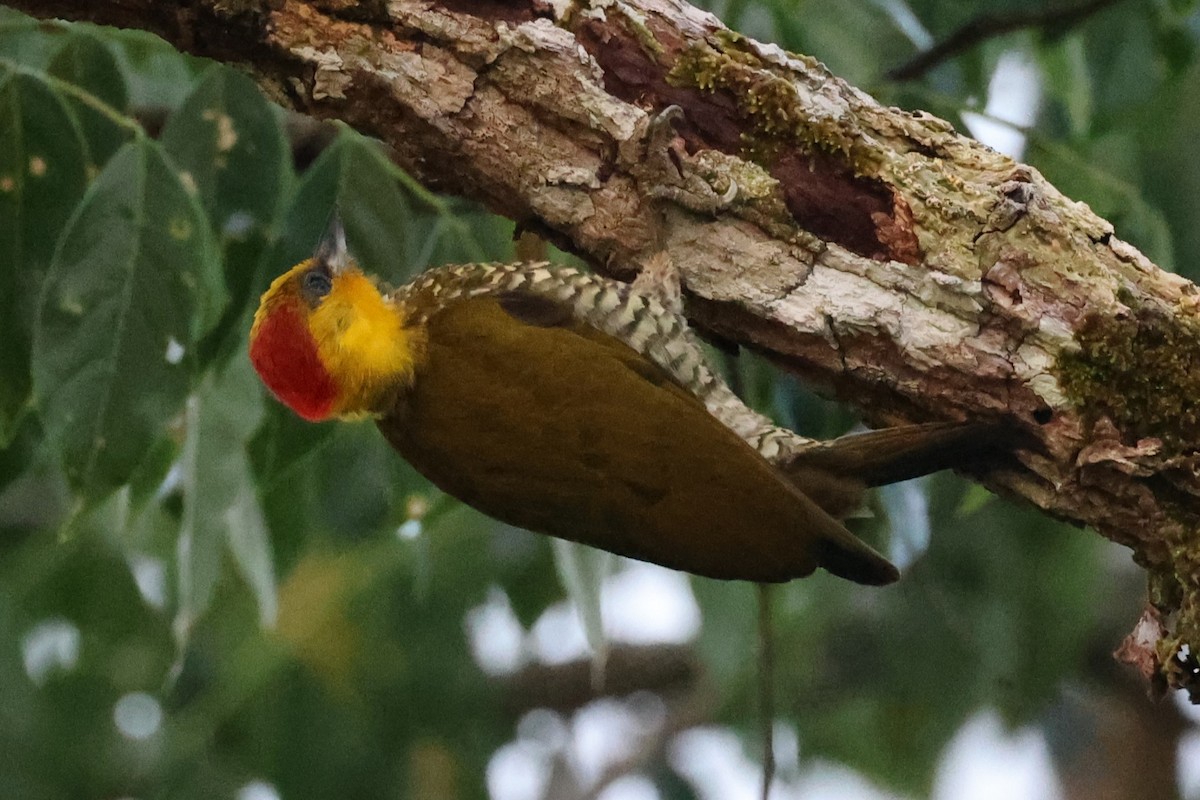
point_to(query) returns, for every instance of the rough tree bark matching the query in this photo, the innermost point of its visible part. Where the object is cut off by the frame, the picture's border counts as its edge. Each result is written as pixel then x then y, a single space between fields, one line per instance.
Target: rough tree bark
pixel 913 271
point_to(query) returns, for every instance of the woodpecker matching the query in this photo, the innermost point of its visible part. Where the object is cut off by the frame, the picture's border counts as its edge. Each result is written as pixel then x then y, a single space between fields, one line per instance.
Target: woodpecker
pixel 579 407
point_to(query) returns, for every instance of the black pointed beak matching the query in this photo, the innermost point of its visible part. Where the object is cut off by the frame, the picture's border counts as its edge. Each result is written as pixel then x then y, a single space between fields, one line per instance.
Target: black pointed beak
pixel 331 251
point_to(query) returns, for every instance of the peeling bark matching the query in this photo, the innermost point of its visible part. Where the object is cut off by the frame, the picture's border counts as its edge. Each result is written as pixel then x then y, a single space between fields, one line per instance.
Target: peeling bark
pixel 912 270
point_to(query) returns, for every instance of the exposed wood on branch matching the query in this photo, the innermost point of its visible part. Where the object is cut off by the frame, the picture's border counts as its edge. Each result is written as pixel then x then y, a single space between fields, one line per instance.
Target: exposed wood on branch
pixel 877 252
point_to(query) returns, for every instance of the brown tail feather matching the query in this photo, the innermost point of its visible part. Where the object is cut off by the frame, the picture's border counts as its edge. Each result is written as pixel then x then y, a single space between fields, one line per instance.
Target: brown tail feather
pixel 855 560
pixel 896 454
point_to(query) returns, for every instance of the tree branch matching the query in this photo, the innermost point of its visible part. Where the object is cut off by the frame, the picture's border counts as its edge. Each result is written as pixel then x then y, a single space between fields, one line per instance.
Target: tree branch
pixel 665 669
pixel 879 253
pixel 990 26
pixel 673 673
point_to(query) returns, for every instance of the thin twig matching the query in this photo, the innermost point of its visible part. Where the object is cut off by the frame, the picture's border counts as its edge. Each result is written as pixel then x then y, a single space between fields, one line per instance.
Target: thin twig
pixel 990 26
pixel 766 686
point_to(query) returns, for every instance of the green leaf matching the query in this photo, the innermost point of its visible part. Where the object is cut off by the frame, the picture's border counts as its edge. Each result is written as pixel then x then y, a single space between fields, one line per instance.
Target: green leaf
pixel 458 232
pixel 131 288
pixel 352 176
pixel 283 441
pixel 973 499
pixel 42 175
pixel 1177 47
pixel 228 143
pixel 524 568
pixel 847 36
pixel 227 140
pixel 1103 174
pixel 374 207
pixel 220 507
pixel 31 42
pixel 1124 62
pixel 87 63
pixel 906 505
pixel 1067 80
pixel 729 635
pixel 158 75
pixel 582 570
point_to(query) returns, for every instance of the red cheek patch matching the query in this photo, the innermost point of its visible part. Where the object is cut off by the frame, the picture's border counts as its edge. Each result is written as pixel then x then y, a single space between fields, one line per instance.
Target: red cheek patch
pixel 285 356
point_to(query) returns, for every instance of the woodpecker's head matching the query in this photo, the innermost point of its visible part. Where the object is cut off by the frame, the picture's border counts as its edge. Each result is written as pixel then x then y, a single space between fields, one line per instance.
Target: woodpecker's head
pixel 326 341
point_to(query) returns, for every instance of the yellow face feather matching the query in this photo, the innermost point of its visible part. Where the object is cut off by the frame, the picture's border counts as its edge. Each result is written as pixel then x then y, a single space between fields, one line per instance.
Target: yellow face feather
pixel 359 335
pixel 363 342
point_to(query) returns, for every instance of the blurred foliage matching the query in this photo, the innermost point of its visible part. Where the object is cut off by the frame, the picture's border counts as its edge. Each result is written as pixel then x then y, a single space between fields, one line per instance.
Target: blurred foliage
pixel 166 529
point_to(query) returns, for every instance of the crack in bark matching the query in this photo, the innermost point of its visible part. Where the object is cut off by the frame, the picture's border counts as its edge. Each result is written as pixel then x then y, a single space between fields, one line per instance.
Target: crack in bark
pixel 836 340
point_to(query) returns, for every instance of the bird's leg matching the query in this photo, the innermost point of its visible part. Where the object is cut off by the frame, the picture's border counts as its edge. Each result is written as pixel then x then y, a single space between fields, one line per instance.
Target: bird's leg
pixel 660 279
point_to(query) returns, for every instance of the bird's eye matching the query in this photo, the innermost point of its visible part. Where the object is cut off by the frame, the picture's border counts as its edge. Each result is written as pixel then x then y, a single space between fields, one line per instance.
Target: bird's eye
pixel 316 285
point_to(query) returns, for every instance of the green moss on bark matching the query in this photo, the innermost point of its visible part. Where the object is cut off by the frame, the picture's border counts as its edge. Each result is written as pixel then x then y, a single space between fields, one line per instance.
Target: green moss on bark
pixel 1141 371
pixel 769 102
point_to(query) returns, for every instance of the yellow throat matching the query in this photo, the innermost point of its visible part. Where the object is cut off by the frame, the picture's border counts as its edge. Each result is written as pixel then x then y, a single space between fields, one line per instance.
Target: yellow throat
pixel 325 316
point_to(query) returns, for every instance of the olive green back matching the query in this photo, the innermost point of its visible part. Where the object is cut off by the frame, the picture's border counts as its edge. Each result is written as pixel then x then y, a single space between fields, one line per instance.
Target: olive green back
pixel 564 430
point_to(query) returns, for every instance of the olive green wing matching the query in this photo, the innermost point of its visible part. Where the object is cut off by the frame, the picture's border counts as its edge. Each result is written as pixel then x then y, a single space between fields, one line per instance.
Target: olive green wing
pixel 836 473
pixel 545 422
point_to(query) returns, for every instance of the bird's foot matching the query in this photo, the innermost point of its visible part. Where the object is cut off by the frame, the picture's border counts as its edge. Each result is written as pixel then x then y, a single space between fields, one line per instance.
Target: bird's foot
pixel 669 172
